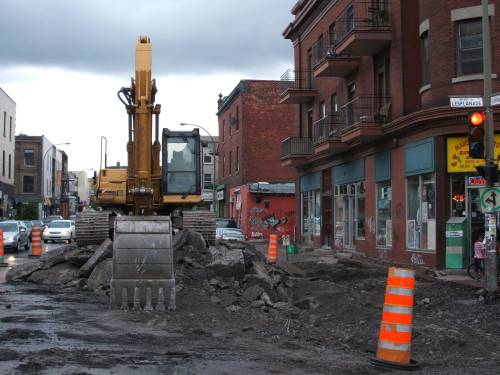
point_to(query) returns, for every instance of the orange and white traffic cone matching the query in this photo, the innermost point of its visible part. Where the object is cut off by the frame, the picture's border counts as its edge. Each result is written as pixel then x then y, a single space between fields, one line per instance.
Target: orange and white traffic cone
pixel 394 343
pixel 2 251
pixel 36 243
pixel 272 250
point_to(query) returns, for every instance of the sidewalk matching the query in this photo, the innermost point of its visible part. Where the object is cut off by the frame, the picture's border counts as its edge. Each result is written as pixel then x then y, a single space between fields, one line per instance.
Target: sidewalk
pixel 331 256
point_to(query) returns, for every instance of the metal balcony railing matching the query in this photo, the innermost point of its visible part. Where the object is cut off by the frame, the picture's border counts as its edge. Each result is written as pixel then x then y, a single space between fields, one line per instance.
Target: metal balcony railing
pixel 294 146
pixel 327 128
pixel 298 80
pixel 365 109
pixel 363 16
pixel 323 48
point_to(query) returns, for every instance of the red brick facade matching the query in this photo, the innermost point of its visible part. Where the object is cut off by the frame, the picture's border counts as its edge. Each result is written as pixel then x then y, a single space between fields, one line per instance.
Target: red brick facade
pixel 369 56
pixel 252 124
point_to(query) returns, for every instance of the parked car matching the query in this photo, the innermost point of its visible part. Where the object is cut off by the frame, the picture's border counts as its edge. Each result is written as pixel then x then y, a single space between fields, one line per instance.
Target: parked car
pixel 15 235
pixel 29 228
pixel 38 223
pixel 230 234
pixel 221 222
pixel 59 230
pixel 51 218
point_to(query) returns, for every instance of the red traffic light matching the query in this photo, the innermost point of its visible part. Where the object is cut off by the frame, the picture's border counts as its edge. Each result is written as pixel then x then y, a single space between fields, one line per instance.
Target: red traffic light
pixel 477 118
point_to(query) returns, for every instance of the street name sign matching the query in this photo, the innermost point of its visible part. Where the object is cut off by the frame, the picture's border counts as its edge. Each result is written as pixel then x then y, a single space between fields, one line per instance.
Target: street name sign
pixel 495 99
pixel 490 199
pixel 471 102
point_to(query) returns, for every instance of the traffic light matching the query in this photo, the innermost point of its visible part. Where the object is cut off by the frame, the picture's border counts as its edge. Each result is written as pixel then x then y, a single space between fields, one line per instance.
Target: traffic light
pixel 476 121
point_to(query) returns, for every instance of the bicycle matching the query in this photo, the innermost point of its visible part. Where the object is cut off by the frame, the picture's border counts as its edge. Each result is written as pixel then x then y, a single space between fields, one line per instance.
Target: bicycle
pixel 472 273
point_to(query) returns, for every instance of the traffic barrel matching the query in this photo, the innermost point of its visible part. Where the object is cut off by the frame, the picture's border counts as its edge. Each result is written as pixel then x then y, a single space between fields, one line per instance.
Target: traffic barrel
pixel 394 343
pixel 2 251
pixel 36 242
pixel 272 250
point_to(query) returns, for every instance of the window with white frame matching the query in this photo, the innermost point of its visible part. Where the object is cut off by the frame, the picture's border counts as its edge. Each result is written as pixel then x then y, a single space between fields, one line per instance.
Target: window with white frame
pixel 207 181
pixel 470 47
pixel 207 156
pixel 421 212
pixel 384 218
pixel 29 158
pixel 311 212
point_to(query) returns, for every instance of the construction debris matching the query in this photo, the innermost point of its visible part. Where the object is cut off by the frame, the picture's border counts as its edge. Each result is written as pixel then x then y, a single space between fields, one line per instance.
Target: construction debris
pixel 232 273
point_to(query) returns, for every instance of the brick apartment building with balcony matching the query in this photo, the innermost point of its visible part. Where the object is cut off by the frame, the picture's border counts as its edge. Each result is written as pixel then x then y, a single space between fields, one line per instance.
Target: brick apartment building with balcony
pixel 252 123
pixel 381 157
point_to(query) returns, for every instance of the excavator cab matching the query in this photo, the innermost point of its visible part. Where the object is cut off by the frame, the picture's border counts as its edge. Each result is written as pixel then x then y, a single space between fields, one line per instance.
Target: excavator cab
pixel 181 172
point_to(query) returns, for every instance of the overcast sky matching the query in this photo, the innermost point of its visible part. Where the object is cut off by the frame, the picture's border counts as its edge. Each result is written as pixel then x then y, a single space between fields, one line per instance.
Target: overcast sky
pixel 63 61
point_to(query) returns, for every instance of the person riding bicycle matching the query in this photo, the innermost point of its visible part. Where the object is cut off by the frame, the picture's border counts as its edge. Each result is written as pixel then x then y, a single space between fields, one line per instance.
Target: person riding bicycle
pixel 479 253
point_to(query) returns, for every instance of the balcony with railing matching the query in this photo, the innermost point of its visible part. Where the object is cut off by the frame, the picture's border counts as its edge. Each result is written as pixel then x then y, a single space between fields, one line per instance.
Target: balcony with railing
pixel 363 117
pixel 364 28
pixel 297 87
pixel 295 150
pixel 328 63
pixel 326 135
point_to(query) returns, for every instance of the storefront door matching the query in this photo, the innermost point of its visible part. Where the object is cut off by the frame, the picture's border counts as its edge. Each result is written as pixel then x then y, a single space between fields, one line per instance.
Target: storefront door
pixel 475 217
pixel 350 219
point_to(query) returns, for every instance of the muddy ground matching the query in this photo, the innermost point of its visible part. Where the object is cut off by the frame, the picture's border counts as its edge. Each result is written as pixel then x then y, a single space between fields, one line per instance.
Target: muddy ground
pixel 51 331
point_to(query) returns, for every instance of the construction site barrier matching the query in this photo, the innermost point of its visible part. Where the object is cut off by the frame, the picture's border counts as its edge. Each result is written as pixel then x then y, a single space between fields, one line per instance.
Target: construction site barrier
pixel 394 343
pixel 36 242
pixel 272 250
pixel 2 251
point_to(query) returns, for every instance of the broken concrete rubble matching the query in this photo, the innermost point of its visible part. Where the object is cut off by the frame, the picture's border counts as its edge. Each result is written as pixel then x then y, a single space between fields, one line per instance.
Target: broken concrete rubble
pixel 60 274
pixel 22 271
pixel 80 255
pixel 99 279
pixel 227 263
pixel 104 251
pixel 54 257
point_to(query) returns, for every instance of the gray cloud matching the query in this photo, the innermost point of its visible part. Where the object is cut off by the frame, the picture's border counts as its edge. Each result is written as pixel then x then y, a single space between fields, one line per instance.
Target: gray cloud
pixel 188 36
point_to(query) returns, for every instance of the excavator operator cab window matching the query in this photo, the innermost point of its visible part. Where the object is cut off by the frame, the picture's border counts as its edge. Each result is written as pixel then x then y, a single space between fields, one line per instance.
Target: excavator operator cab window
pixel 182 165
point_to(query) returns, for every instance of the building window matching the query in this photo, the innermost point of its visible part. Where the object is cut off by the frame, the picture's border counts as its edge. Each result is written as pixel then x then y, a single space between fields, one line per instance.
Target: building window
pixel 349 214
pixel 424 42
pixel 311 213
pixel 10 166
pixel 334 107
pixel 470 47
pixel 237 118
pixel 28 184
pixel 223 130
pixel 230 162
pixel 3 163
pixel 29 158
pixel 384 218
pixel 237 158
pixel 224 166
pixel 4 124
pixel 207 156
pixel 207 181
pixel 421 212
pixel 231 121
pixel 10 128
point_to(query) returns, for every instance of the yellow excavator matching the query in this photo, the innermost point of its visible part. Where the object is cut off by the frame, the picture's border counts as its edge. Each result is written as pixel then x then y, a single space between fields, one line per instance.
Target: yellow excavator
pixel 154 198
pixel 145 187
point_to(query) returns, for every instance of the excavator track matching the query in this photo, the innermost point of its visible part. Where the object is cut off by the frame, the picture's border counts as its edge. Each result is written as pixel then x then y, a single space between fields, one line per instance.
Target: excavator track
pixel 92 227
pixel 202 222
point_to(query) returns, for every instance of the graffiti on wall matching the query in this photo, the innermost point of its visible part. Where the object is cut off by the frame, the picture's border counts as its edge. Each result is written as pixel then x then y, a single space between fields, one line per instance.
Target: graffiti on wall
pixel 417 259
pixel 263 222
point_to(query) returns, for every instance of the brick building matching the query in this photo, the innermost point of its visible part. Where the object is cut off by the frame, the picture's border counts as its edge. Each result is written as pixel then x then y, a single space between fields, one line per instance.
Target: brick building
pixel 381 157
pixel 252 124
pixel 7 145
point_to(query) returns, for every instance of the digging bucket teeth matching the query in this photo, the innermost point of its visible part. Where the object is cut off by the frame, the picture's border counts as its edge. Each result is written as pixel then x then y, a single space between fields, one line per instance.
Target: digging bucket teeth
pixel 143 264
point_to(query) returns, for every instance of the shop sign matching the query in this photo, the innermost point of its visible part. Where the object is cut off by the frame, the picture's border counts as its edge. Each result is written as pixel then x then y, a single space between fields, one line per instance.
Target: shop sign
pixel 458 155
pixel 490 199
pixel 220 195
pixel 454 233
pixel 476 181
pixel 208 195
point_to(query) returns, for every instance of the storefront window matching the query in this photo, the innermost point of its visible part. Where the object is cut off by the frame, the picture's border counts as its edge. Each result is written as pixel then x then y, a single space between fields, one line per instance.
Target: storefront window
pixel 311 213
pixel 421 211
pixel 349 214
pixel 457 195
pixel 384 218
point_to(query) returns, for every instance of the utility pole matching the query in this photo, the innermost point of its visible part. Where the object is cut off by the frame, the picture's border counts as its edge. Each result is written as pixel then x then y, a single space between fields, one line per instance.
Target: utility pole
pixel 490 280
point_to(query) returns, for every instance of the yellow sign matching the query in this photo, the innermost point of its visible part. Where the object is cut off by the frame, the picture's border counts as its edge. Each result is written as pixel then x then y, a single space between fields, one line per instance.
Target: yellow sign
pixel 458 155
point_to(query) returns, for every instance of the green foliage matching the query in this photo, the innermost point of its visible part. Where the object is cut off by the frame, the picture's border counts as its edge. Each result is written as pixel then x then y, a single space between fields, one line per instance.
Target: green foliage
pixel 27 211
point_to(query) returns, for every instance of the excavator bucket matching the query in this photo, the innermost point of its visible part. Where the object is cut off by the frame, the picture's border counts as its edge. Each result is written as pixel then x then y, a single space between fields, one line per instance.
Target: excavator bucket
pixel 143 264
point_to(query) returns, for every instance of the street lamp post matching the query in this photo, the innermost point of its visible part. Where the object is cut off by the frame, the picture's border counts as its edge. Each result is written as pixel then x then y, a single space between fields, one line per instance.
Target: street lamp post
pixel 43 159
pixel 215 164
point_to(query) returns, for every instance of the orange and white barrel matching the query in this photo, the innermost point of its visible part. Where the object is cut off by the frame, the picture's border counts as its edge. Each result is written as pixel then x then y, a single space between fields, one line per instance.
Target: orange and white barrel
pixel 394 344
pixel 272 250
pixel 36 242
